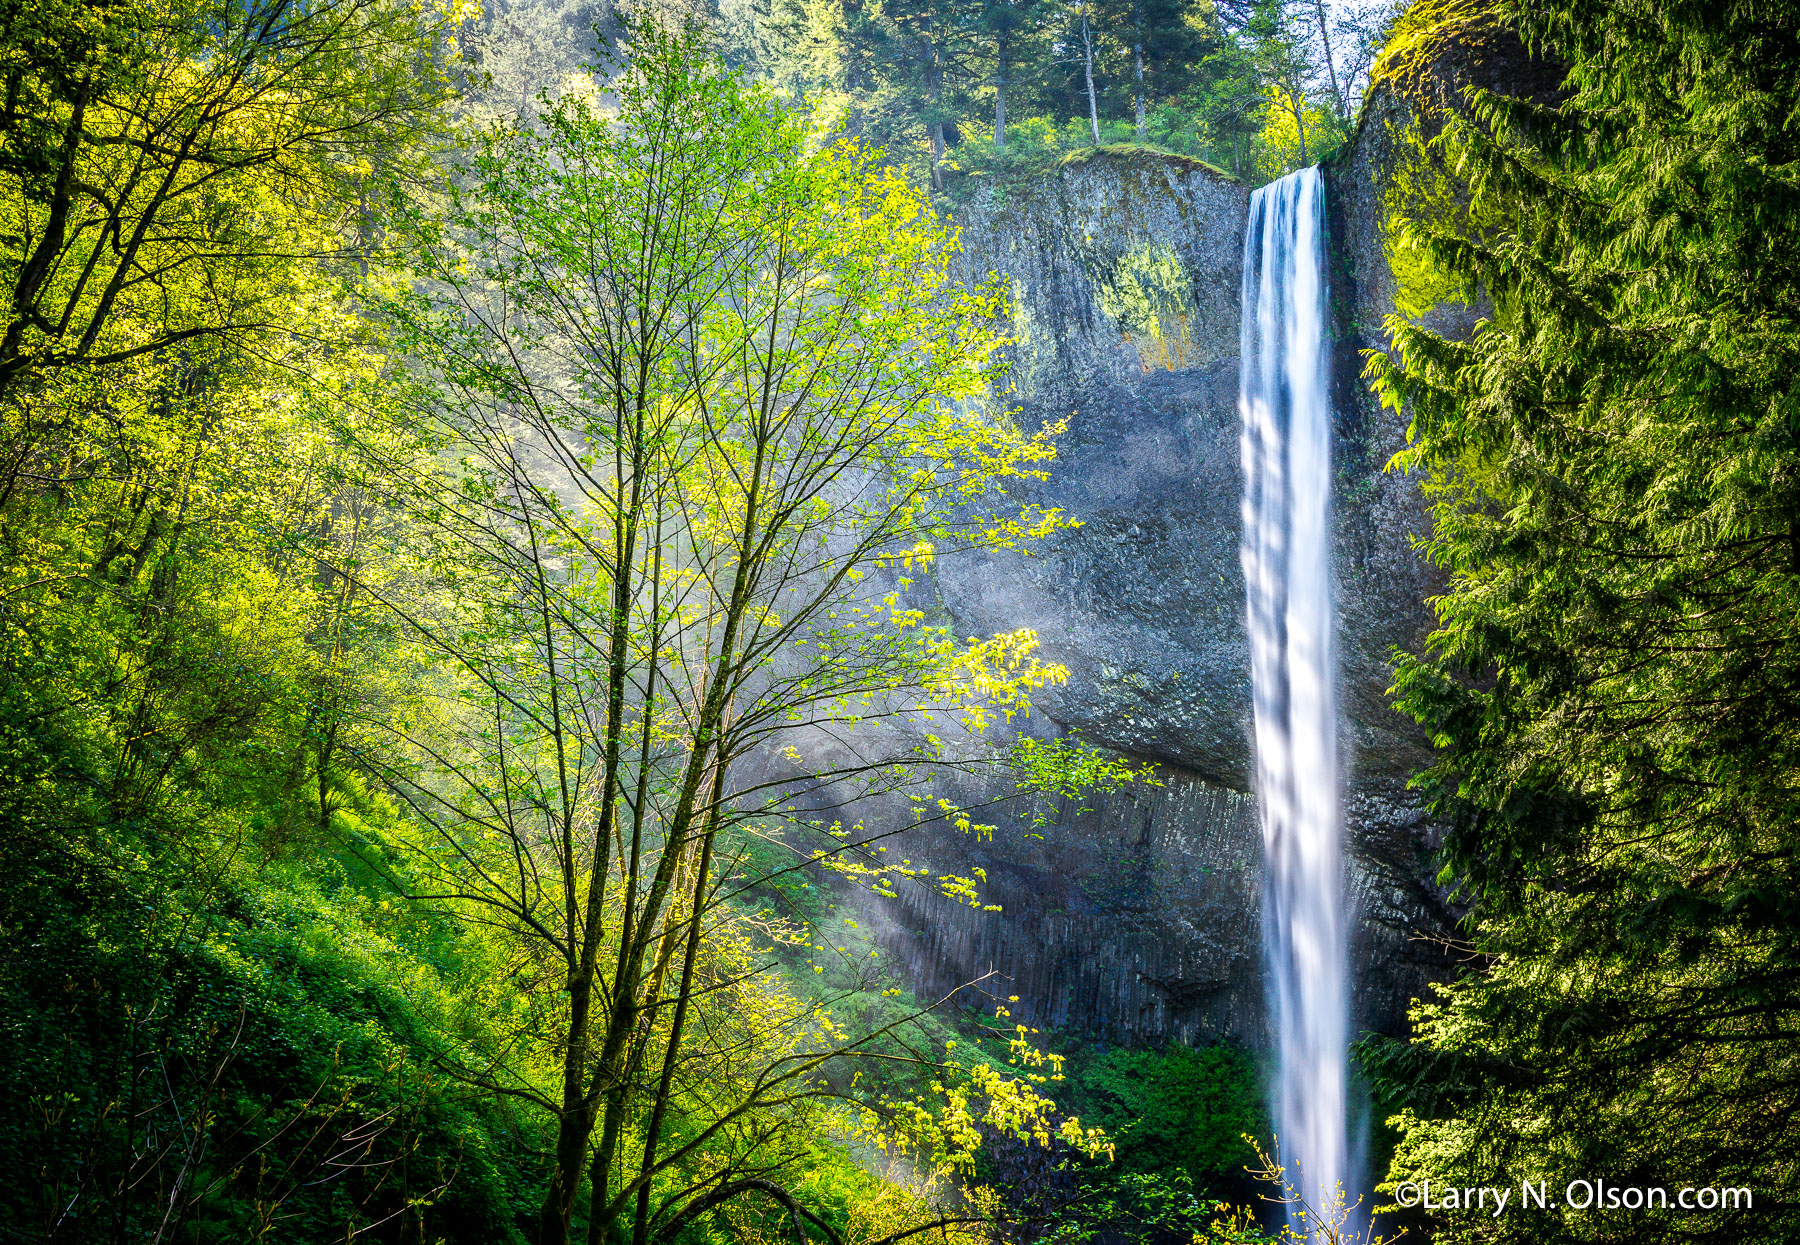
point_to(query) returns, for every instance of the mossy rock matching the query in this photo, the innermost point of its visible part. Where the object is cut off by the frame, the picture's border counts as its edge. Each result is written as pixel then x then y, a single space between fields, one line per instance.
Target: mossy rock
pixel 1141 155
pixel 1440 47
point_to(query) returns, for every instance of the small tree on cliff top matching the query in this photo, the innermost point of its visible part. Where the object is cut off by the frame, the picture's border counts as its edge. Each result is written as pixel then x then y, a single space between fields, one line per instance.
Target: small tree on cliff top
pixel 690 380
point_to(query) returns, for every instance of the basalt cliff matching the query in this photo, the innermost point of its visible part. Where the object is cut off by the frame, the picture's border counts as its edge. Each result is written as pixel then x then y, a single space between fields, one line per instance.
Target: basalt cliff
pixel 1135 917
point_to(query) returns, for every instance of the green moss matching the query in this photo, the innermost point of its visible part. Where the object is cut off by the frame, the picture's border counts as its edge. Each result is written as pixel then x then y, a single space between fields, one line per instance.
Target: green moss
pixel 1421 196
pixel 977 165
pixel 1141 155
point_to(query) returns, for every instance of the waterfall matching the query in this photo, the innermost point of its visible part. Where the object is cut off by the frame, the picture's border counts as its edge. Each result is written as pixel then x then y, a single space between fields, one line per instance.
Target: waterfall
pixel 1285 402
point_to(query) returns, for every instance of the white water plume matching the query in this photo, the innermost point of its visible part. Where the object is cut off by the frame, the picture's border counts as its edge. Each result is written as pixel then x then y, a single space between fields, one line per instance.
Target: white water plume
pixel 1285 401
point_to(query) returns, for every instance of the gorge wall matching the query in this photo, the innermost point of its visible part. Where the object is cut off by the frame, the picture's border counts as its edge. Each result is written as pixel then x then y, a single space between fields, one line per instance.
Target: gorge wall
pixel 1135 917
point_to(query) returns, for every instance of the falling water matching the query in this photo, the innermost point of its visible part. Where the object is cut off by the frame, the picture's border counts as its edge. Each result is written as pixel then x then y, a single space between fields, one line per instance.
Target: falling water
pixel 1285 403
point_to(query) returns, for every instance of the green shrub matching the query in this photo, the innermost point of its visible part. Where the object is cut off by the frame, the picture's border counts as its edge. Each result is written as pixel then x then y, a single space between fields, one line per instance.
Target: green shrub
pixel 1178 1110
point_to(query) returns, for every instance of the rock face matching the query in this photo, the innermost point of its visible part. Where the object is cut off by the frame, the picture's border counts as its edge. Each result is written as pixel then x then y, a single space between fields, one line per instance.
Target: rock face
pixel 1136 917
pixel 1124 275
pixel 1383 586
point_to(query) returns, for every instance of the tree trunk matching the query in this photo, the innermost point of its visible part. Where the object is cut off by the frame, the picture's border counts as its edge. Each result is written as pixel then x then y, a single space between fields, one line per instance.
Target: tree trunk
pixel 853 81
pixel 705 753
pixel 934 92
pixel 1000 97
pixel 1087 64
pixel 1330 69
pixel 575 1123
pixel 640 1232
pixel 35 270
pixel 1138 91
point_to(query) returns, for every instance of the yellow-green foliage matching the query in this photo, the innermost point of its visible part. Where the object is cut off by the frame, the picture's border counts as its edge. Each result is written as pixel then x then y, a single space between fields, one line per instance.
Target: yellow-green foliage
pixel 1278 150
pixel 1419 189
pixel 1422 194
pixel 320 695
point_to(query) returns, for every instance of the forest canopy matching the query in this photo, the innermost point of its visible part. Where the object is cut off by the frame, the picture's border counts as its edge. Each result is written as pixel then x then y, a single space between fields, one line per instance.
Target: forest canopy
pixel 1612 683
pixel 958 87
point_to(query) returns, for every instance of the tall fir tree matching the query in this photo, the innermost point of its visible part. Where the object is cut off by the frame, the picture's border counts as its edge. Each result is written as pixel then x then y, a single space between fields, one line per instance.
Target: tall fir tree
pixel 1164 41
pixel 1015 37
pixel 933 60
pixel 1614 685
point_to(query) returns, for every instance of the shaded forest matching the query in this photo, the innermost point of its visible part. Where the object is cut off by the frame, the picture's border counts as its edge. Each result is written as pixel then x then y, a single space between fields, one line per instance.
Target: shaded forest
pixel 977 88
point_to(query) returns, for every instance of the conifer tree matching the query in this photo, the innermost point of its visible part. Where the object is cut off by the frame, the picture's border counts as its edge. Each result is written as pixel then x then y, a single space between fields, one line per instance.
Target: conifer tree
pixel 1162 39
pixel 1614 685
pixel 934 60
pixel 1013 30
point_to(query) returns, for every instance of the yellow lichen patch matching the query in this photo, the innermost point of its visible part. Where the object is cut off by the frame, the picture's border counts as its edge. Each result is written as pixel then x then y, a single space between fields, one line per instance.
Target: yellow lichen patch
pixel 1148 297
pixel 1168 351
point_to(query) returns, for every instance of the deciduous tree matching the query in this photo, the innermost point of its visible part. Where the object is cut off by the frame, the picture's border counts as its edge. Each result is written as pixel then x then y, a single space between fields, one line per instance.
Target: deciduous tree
pixel 696 385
